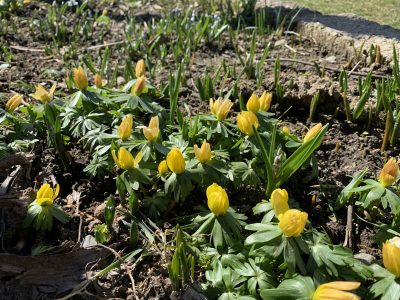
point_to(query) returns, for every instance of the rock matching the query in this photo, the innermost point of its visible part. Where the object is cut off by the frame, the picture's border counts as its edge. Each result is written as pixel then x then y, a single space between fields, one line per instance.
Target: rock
pixel 365 258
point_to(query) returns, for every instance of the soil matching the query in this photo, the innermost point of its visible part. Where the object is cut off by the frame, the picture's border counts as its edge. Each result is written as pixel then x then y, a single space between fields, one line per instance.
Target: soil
pixel 347 148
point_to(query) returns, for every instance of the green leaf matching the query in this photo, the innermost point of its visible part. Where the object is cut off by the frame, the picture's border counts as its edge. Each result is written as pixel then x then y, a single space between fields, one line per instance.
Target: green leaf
pixel 346 193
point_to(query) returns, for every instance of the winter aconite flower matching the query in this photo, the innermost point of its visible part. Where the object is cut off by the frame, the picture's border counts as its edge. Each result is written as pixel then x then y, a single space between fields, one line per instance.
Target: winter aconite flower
pixel 203 154
pixel 391 255
pixel 175 161
pixel 389 173
pixel 246 120
pixel 13 102
pixel 139 86
pixel 42 94
pixel 152 131
pixel 279 201
pixel 292 222
pixel 265 101
pixel 312 133
pixel 337 290
pixel 125 128
pixel 162 167
pixel 140 68
pixel 253 104
pixel 46 195
pixel 285 130
pixel 220 108
pixel 125 160
pixel 98 80
pixel 217 199
pixel 80 78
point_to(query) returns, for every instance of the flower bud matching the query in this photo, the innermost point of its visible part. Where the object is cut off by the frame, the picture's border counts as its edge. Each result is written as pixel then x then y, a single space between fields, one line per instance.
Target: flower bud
pixel 13 102
pixel 389 173
pixel 292 222
pixel 217 199
pixel 253 104
pixel 203 154
pixel 285 130
pixel 391 255
pixel 152 131
pixel 162 168
pixel 98 80
pixel 265 101
pixel 245 121
pixel 125 160
pixel 312 133
pixel 336 290
pixel 80 78
pixel 125 128
pixel 279 201
pixel 140 68
pixel 46 195
pixel 139 86
pixel 220 108
pixel 175 161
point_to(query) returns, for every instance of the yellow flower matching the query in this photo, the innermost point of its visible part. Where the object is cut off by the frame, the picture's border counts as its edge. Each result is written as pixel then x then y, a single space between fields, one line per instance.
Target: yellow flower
pixel 285 130
pixel 175 161
pixel 265 101
pixel 292 222
pixel 391 255
pixel 220 108
pixel 13 102
pixel 163 168
pixel 125 128
pixel 253 104
pixel 125 160
pixel 217 199
pixel 336 290
pixel 42 94
pixel 151 133
pixel 98 80
pixel 140 68
pixel 139 86
pixel 80 78
pixel 46 195
pixel 389 173
pixel 312 133
pixel 203 154
pixel 245 121
pixel 279 201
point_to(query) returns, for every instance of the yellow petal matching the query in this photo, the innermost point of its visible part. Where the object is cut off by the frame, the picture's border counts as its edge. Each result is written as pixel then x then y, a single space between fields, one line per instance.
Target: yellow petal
pixel 115 159
pixel 279 201
pixel 312 133
pixel 126 159
pixel 175 161
pixel 217 199
pixel 292 222
pixel 52 90
pixel 253 104
pixel 138 158
pixel 56 191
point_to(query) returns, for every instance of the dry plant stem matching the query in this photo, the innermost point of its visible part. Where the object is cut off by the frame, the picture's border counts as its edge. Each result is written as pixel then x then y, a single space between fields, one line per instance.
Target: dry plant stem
pixel 387 132
pixel 349 227
pixel 128 271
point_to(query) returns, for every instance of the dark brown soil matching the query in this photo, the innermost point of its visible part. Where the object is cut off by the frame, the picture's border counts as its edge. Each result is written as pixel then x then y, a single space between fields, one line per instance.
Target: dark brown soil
pixel 346 149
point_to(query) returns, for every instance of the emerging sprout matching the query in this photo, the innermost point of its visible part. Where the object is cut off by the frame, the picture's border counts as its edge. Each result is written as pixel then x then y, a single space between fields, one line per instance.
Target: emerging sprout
pixel 292 222
pixel 203 154
pixel 336 290
pixel 217 199
pixel 80 78
pixel 246 120
pixel 175 161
